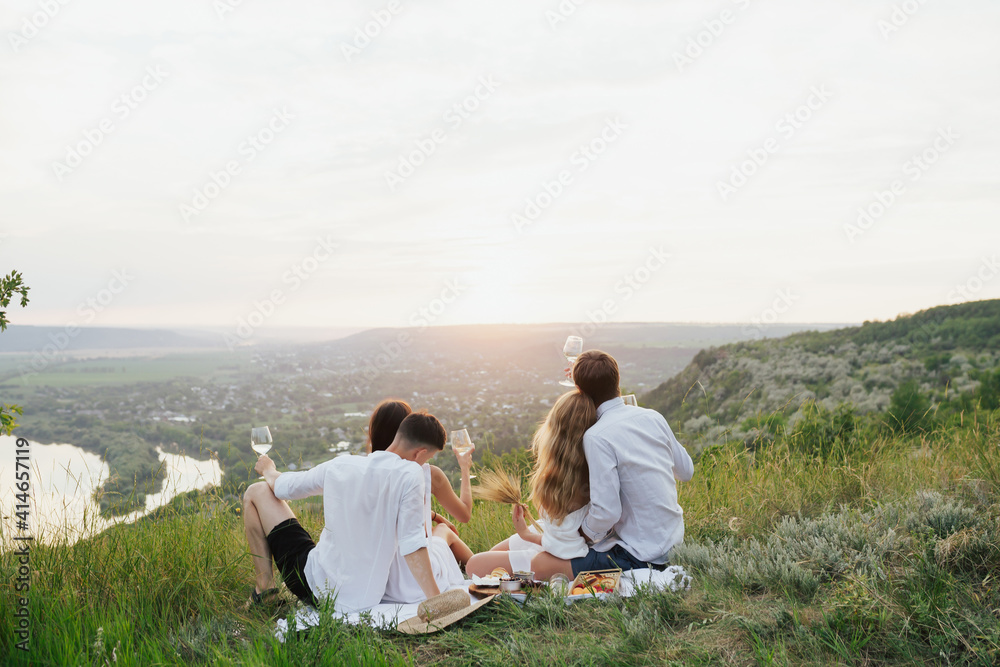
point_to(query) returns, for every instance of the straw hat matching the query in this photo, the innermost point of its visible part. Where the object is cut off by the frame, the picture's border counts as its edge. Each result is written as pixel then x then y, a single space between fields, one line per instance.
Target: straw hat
pixel 439 612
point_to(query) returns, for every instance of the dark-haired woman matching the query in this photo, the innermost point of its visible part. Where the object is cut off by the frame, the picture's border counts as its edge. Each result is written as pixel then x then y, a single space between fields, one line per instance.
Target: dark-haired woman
pixel 446 548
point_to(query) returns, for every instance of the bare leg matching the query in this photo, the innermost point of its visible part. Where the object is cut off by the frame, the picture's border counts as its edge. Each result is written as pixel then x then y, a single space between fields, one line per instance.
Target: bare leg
pixel 544 565
pixel 503 546
pixel 482 564
pixel 461 550
pixel 262 511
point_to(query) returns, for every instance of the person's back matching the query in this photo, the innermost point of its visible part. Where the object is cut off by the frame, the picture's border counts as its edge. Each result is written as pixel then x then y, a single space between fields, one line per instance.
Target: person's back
pixel 362 496
pixel 635 462
pixel 373 508
pixel 639 502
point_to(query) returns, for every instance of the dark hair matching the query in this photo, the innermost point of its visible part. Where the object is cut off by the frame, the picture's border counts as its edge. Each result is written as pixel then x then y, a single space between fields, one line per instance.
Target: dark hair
pixel 385 421
pixel 422 428
pixel 596 374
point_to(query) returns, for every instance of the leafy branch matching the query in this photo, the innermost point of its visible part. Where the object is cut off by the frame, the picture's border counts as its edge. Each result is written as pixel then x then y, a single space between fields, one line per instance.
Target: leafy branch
pixel 10 286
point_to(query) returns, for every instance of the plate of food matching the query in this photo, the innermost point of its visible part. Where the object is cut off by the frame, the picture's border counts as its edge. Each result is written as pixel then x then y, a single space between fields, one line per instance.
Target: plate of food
pixel 597 584
pixel 499 580
pixel 502 581
pixel 593 584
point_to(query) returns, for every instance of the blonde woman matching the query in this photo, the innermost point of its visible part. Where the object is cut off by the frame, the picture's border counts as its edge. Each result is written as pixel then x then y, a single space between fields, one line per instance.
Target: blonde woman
pixel 560 489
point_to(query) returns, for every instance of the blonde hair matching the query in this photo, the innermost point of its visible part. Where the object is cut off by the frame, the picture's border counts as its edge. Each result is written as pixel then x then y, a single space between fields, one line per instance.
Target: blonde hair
pixel 561 476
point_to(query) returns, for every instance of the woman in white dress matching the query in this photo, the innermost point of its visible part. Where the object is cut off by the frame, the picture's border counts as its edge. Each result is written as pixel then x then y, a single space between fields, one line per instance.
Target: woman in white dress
pixel 445 548
pixel 560 489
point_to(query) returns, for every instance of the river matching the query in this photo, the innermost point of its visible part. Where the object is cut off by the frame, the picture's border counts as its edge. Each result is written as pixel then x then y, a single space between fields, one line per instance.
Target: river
pixel 62 481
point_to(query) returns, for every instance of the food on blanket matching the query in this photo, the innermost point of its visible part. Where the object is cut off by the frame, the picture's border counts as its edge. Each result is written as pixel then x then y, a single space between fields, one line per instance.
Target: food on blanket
pixel 524 575
pixel 442 605
pixel 595 582
pixel 500 573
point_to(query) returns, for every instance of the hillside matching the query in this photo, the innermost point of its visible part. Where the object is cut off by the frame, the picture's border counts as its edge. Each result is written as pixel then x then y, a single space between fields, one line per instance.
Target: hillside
pixel 48 341
pixel 888 556
pixel 496 380
pixel 945 357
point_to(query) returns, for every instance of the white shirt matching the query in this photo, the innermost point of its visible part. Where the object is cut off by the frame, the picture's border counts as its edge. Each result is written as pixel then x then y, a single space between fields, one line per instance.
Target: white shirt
pixel 563 540
pixel 372 507
pixel 634 461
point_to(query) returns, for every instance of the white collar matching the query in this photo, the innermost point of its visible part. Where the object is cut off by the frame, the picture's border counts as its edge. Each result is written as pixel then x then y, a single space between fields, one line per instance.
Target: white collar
pixel 609 404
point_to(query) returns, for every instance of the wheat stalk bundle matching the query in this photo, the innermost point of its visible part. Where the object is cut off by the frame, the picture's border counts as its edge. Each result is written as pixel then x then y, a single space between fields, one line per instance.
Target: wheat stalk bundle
pixel 500 486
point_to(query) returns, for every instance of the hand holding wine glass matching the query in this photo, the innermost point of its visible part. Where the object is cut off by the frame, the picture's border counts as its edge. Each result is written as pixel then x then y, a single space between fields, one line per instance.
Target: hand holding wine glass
pixel 573 348
pixel 462 445
pixel 264 463
pixel 260 441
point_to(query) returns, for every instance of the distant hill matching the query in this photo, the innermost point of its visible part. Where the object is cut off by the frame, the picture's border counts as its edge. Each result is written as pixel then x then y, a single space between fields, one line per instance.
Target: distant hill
pixel 945 351
pixel 20 338
pixel 646 352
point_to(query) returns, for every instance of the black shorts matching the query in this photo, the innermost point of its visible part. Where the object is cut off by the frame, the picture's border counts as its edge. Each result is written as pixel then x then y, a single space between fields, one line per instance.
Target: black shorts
pixel 290 545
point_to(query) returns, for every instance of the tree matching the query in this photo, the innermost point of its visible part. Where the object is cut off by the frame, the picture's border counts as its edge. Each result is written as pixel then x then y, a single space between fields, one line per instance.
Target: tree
pixel 10 286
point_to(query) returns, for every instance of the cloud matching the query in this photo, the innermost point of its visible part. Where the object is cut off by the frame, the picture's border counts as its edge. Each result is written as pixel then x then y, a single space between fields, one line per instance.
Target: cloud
pixel 558 85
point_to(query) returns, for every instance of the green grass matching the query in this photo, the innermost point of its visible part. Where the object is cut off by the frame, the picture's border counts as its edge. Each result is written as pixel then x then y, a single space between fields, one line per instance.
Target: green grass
pixel 888 556
pixel 113 371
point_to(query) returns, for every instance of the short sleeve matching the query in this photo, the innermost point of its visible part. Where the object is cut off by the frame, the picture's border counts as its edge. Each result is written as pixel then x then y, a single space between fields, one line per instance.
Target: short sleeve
pixel 411 533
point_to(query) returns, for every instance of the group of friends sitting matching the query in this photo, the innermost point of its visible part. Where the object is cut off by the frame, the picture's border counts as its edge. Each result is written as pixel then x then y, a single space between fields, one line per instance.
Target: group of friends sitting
pixel 604 484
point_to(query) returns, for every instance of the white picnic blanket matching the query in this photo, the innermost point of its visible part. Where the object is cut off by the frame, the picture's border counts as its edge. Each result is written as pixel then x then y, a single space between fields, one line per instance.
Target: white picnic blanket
pixel 388 616
pixel 674 578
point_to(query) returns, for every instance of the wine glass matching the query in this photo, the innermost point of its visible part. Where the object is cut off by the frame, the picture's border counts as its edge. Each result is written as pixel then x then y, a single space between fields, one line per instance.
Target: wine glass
pixel 630 400
pixel 461 443
pixel 260 440
pixel 572 349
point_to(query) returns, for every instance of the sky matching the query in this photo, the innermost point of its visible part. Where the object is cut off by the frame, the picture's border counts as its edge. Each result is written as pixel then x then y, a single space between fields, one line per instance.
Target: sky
pixel 234 163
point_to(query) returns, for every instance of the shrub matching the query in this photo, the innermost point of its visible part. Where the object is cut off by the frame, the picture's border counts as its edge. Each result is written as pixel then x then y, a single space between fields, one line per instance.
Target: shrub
pixel 801 554
pixel 821 432
pixel 908 408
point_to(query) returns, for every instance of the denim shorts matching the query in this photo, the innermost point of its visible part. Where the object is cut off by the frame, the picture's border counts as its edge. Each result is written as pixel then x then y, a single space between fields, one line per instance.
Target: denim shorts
pixel 615 557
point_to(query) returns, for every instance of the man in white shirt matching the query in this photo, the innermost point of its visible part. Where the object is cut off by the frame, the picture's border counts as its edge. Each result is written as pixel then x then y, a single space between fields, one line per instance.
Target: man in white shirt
pixel 372 506
pixel 635 462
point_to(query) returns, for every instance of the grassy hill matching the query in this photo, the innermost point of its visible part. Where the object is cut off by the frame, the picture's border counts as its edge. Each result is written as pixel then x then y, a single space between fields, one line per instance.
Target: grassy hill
pixel 884 556
pixel 945 359
pixel 844 538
